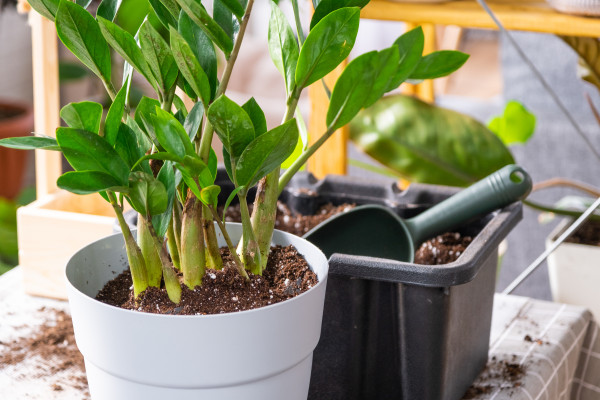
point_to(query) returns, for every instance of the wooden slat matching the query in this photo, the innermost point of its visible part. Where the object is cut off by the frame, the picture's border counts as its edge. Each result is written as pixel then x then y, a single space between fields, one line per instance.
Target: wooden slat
pixel 331 157
pixel 526 15
pixel 46 99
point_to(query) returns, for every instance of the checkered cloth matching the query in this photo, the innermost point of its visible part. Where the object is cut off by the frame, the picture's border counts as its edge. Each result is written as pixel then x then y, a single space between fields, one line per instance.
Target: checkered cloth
pixel 554 348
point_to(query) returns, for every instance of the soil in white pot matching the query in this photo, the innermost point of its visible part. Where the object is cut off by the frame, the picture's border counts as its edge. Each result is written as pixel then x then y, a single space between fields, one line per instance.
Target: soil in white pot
pixel 588 233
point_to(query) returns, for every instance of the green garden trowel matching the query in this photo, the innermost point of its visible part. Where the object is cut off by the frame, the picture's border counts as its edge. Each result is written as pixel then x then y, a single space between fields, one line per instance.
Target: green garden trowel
pixel 376 231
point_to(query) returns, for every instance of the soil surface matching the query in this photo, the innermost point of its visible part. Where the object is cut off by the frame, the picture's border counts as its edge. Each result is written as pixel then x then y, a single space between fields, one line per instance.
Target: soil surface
pixel 287 275
pixel 588 233
pixel 442 249
pixel 498 375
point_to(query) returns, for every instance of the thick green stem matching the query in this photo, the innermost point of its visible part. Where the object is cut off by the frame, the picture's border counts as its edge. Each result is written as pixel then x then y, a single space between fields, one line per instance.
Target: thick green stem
pixel 249 251
pixel 172 245
pixel 213 254
pixel 299 30
pixel 137 266
pixel 238 263
pixel 150 253
pixel 172 284
pixel 167 102
pixel 192 244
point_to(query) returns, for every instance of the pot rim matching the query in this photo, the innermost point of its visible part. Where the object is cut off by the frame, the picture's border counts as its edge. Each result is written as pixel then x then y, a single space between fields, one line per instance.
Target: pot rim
pixel 559 230
pixel 322 281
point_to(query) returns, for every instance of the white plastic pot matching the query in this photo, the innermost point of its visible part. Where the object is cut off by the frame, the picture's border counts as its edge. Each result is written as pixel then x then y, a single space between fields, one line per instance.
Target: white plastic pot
pixel 264 353
pixel 574 271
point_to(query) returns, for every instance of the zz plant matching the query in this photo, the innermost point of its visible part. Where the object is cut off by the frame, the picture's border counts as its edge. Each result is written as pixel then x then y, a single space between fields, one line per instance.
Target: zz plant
pixel 158 157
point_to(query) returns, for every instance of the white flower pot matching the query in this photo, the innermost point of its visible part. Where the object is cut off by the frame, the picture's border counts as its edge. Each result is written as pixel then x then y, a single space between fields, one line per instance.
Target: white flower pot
pixel 264 353
pixel 574 271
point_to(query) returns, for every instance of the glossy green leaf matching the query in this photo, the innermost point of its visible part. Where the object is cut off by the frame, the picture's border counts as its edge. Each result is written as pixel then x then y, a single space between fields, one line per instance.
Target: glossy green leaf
pixel 86 182
pixel 108 9
pixel 232 124
pixel 515 125
pixel 256 114
pixel 235 7
pixel 129 147
pixel 171 135
pixel 202 47
pixel 166 18
pixel 362 82
pixel 189 181
pixel 283 47
pixel 213 164
pixel 158 55
pixel 86 151
pixel 146 107
pixel 193 121
pixel 80 33
pixel 428 144
pixel 327 45
pixel 166 176
pixel 85 115
pixel 224 17
pixel 47 8
pixel 198 14
pixel 438 64
pixel 189 66
pixel 30 143
pixel 124 44
pixel 180 105
pixel 265 153
pixel 147 194
pixel 326 7
pixel 410 46
pixel 145 142
pixel 210 195
pixel 83 3
pixel 114 116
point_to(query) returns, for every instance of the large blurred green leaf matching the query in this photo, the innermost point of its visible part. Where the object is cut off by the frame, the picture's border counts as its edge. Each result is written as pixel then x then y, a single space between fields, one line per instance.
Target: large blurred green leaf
pixel 428 144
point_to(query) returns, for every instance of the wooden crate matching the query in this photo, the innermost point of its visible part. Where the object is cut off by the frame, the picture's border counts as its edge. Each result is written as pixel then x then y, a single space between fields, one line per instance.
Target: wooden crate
pixel 50 230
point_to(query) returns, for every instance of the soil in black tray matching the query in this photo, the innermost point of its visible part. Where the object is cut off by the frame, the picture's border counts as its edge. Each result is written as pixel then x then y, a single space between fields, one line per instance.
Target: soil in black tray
pixel 442 249
pixel 588 233
pixel 287 275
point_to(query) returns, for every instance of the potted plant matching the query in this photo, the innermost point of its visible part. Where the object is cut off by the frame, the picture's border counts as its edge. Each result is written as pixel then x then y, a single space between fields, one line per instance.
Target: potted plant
pixel 159 160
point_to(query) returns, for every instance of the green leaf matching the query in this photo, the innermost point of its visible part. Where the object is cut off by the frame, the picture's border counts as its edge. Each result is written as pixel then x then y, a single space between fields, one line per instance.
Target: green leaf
pixel 108 9
pixel 428 144
pixel 265 153
pixel 327 45
pixel 85 115
pixel 114 116
pixel 30 143
pixel 515 125
pixel 83 3
pixel 129 147
pixel 410 46
pixel 124 44
pixel 147 194
pixel 146 107
pixel 180 105
pixel 235 7
pixel 232 124
pixel 189 181
pixel 80 33
pixel 256 114
pixel 171 135
pixel 213 164
pixel 163 14
pixel 210 195
pixel 145 142
pixel 193 121
pixel 86 182
pixel 166 176
pixel 326 7
pixel 202 47
pixel 158 55
pixel 224 17
pixel 362 83
pixel 190 67
pixel 198 14
pixel 86 151
pixel 283 47
pixel 439 64
pixel 47 8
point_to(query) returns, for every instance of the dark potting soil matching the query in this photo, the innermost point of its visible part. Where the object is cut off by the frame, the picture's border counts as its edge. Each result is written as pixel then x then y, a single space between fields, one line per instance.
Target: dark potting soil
pixel 442 249
pixel 53 342
pixel 498 375
pixel 287 275
pixel 588 233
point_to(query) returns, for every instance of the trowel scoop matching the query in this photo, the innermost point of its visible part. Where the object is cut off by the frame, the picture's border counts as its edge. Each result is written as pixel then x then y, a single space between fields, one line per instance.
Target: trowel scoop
pixel 376 231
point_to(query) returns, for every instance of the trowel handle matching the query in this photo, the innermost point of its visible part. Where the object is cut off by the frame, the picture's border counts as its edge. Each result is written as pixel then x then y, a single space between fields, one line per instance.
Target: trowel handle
pixel 505 186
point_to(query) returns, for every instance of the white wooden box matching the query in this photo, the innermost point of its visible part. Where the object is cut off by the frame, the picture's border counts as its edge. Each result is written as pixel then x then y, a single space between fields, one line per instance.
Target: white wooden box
pixel 50 230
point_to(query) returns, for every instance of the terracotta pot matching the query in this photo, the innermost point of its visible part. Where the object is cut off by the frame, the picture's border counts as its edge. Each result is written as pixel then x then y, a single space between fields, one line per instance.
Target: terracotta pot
pixel 15 120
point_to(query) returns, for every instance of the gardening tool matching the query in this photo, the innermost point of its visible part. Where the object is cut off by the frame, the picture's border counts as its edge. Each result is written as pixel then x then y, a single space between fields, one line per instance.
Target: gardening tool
pixel 374 230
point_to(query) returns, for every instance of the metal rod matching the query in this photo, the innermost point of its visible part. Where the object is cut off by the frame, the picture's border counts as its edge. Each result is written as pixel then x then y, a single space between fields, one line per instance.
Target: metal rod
pixel 534 265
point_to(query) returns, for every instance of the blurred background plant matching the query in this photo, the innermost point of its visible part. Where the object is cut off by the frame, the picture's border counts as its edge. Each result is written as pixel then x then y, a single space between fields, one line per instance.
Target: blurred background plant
pixel 8 228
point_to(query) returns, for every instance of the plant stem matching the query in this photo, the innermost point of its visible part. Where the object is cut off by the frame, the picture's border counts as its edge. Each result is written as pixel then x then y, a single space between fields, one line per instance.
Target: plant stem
pixel 167 102
pixel 172 244
pixel 213 254
pixel 150 253
pixel 236 259
pixel 299 30
pixel 558 211
pixel 249 251
pixel 192 243
pixel 137 265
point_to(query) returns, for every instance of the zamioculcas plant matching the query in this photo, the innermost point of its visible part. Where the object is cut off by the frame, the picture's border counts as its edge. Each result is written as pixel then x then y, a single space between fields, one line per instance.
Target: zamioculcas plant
pixel 158 157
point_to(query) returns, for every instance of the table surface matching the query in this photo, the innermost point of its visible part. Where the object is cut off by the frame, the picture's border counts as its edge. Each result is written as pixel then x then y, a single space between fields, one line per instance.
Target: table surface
pixel 557 345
